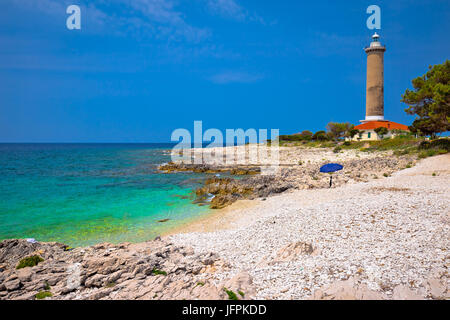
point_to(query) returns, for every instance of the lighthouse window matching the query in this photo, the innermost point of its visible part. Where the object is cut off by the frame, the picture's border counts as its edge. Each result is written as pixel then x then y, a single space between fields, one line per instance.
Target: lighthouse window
pixel 368 135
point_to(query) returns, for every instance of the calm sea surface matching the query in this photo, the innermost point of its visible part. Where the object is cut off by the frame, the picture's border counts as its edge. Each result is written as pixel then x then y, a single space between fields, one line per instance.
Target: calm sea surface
pixel 82 194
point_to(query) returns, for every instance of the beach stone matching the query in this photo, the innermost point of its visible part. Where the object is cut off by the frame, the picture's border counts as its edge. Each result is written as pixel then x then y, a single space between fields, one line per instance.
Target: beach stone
pixel 240 282
pixel 292 251
pixel 52 281
pixel 24 275
pixel 95 281
pixel 346 290
pixel 437 288
pixel 12 285
pixel 208 292
pixel 27 296
pixel 403 292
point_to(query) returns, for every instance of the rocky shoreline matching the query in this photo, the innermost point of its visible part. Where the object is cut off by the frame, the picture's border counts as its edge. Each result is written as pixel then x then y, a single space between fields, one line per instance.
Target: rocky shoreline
pixel 299 169
pixel 151 270
pixel 382 239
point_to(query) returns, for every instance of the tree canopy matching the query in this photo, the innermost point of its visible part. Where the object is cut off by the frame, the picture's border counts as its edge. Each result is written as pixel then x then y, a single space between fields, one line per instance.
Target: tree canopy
pixel 339 130
pixel 381 131
pixel 320 136
pixel 353 132
pixel 430 100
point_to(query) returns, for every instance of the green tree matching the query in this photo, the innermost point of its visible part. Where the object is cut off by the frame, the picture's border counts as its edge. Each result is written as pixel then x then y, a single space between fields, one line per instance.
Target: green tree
pixel 381 131
pixel 320 136
pixel 353 132
pixel 306 135
pixel 430 100
pixel 339 130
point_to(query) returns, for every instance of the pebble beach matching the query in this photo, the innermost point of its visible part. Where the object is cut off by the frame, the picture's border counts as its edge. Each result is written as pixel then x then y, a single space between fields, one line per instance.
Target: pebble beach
pixel 389 237
pixel 369 237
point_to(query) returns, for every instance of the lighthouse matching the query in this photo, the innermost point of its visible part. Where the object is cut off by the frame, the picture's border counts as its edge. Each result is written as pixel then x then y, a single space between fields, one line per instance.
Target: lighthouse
pixel 375 80
pixel 375 97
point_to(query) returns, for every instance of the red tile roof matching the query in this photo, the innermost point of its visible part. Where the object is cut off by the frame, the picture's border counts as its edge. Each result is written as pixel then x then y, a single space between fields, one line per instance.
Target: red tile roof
pixel 377 124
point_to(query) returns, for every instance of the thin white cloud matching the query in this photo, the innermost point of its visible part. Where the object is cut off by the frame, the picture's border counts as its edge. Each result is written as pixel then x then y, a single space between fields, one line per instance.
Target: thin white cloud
pixel 156 18
pixel 235 77
pixel 228 8
pixel 232 10
pixel 170 22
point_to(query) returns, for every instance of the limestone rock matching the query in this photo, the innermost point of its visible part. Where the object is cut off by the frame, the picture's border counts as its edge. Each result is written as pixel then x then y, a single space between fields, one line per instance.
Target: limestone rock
pixel 346 290
pixel 403 292
pixel 150 270
pixel 240 283
pixel 292 251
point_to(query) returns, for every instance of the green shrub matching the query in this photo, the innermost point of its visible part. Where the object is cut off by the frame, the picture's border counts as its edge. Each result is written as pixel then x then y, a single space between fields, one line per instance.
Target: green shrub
pixel 157 272
pixel 29 262
pixel 443 144
pixel 337 149
pixel 424 145
pixel 438 144
pixel 43 294
pixel 423 155
pixel 293 137
pixel 347 143
pixel 401 152
pixel 431 153
pixel 231 294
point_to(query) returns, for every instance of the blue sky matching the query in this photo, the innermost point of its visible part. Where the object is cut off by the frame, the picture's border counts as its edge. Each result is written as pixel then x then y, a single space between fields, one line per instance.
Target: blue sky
pixel 138 69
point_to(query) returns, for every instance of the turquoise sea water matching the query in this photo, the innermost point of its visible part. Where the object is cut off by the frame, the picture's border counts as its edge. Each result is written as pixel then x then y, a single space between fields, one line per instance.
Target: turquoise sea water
pixel 82 194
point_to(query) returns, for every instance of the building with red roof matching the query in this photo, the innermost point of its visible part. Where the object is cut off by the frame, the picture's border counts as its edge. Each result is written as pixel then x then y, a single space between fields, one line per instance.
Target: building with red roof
pixel 372 125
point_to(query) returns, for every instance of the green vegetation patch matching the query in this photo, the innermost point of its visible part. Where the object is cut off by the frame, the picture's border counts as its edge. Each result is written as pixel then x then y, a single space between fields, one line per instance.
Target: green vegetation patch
pixel 29 262
pixel 337 149
pixel 431 153
pixel 231 294
pixel 43 294
pixel 158 272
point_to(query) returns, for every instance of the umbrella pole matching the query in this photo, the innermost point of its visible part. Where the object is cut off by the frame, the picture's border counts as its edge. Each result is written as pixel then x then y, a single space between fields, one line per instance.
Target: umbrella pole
pixel 331 181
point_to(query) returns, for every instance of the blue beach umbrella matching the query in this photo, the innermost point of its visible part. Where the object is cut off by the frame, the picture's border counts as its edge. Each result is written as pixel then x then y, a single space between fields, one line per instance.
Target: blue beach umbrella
pixel 330 168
